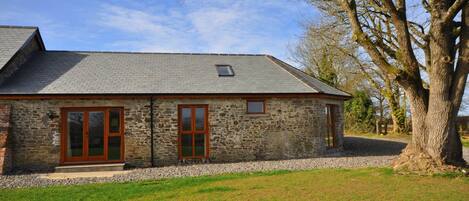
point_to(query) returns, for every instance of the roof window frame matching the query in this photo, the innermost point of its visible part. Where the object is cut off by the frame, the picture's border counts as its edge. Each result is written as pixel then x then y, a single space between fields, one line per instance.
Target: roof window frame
pixel 230 69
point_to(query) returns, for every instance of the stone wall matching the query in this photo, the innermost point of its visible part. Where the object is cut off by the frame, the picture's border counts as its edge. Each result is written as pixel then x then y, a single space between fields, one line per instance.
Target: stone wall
pixel 35 137
pixel 5 146
pixel 290 128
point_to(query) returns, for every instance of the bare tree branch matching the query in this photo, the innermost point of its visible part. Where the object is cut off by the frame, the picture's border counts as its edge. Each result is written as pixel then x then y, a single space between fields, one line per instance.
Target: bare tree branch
pixel 363 39
pixel 453 10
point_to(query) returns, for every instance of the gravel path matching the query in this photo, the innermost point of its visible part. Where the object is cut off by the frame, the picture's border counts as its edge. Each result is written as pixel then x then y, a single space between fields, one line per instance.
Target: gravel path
pixel 360 152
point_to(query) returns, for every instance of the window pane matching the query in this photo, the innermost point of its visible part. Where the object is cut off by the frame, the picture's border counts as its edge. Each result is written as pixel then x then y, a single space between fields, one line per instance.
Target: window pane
pixel 75 134
pixel 186 119
pixel 200 144
pixel 255 107
pixel 224 70
pixel 114 148
pixel 186 143
pixel 96 134
pixel 114 121
pixel 199 119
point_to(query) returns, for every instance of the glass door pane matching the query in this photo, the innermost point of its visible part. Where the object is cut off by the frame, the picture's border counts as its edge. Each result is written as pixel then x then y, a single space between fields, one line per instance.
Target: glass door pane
pixel 199 119
pixel 96 134
pixel 114 121
pixel 186 115
pixel 74 134
pixel 186 145
pixel 114 148
pixel 199 144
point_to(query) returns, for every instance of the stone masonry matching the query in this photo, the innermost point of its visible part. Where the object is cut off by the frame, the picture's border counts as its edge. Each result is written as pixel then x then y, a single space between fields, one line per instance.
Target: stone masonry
pixel 290 128
pixel 35 137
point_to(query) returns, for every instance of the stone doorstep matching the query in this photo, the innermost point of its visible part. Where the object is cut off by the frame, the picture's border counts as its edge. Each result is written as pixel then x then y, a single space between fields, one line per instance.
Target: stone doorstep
pixel 73 175
pixel 90 168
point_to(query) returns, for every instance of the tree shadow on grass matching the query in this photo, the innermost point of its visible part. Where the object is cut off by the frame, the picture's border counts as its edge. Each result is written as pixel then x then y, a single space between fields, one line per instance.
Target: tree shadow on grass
pixel 359 146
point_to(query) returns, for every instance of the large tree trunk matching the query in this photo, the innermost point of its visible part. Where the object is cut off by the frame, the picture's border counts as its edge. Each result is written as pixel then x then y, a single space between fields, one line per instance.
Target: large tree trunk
pixel 435 143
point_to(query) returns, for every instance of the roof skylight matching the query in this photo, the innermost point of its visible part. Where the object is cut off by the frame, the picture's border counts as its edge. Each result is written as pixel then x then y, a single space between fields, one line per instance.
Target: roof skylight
pixel 224 70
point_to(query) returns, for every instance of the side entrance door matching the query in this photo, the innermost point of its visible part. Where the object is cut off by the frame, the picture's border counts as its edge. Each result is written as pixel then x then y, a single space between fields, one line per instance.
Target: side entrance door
pixel 193 132
pixel 92 134
pixel 330 126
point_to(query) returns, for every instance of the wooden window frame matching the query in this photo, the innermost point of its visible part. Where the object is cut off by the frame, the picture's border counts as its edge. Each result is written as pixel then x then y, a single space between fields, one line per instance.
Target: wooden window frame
pixel 85 159
pixel 255 100
pixel 193 131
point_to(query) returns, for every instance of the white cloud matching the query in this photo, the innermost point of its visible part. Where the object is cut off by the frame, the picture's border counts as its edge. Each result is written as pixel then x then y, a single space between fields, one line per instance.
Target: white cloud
pixel 151 32
pixel 199 26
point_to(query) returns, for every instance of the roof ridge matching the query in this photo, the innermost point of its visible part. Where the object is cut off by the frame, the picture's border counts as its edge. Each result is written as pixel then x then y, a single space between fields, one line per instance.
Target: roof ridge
pixel 19 27
pixel 136 52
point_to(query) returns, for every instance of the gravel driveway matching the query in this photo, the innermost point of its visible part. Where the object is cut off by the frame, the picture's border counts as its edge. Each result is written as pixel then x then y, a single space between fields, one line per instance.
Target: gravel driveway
pixel 360 152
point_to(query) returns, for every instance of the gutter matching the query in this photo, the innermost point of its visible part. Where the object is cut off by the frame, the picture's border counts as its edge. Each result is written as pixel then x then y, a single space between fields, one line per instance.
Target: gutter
pixel 151 131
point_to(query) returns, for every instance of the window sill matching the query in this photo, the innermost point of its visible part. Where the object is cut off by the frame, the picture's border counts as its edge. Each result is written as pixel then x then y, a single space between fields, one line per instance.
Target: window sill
pixel 257 114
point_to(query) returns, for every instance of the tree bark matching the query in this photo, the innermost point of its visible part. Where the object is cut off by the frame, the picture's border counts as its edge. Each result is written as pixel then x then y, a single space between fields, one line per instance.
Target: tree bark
pixel 454 145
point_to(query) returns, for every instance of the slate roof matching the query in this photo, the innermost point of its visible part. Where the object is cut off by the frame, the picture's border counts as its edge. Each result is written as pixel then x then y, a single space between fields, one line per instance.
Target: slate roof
pixel 12 38
pixel 81 72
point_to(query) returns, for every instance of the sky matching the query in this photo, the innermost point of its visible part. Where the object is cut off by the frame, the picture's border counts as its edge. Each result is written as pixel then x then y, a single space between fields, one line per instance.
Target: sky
pixel 198 26
pixel 250 26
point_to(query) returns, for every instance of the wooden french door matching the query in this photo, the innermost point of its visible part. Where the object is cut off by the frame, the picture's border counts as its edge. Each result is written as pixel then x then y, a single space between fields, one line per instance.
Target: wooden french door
pixel 330 131
pixel 92 134
pixel 193 131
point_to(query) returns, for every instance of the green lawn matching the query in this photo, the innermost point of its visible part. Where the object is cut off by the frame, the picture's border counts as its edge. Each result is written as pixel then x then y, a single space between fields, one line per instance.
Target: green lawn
pixel 319 184
pixel 465 141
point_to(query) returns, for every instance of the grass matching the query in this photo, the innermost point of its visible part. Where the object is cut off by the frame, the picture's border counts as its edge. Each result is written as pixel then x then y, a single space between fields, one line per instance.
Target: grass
pixel 318 184
pixel 465 141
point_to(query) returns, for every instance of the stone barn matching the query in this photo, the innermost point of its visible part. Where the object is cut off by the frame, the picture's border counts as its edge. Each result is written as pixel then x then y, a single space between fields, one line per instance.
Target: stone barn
pixel 71 109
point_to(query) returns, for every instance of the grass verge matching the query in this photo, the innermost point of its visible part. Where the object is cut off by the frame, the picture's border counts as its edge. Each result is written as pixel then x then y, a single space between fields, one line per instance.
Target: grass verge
pixel 465 141
pixel 318 184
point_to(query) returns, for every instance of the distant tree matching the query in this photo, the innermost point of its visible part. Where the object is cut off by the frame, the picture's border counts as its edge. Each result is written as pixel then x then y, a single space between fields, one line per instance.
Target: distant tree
pixel 359 113
pixel 325 52
pixel 325 69
pixel 315 55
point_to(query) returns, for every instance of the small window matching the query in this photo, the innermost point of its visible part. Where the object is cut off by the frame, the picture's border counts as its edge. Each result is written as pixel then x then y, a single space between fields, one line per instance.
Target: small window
pixel 225 70
pixel 255 106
